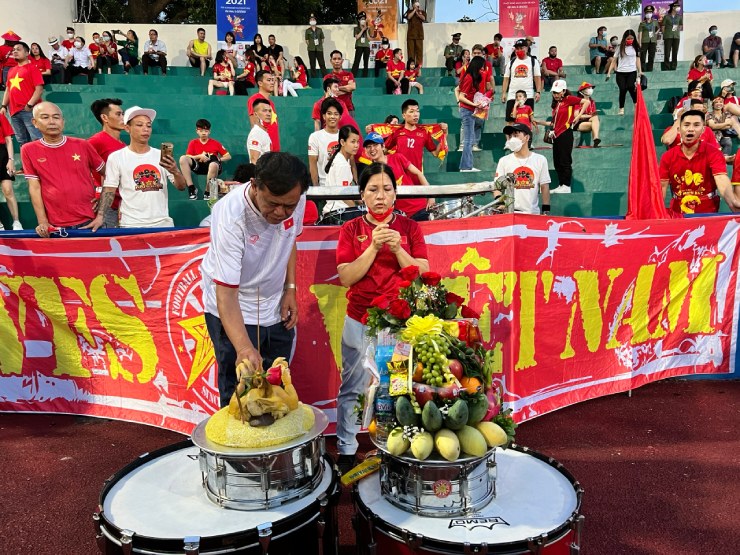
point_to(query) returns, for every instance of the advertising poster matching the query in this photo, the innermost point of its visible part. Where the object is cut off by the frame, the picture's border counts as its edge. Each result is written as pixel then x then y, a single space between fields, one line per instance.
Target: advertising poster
pixel 239 17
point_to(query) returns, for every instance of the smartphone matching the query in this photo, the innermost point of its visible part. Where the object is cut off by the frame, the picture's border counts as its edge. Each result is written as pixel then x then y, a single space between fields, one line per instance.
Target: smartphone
pixel 166 149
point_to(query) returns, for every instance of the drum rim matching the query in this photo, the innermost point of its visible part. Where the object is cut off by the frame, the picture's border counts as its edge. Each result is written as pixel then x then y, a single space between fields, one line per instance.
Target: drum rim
pixel 114 532
pixel 551 536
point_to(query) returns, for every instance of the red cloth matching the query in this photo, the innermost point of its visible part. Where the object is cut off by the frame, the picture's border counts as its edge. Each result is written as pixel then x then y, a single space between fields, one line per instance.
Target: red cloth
pixel 105 145
pixel 563 113
pixel 468 90
pixel 272 130
pixel 94 50
pixel 42 64
pixel 21 84
pixel 344 78
pixel 301 76
pixel 707 136
pixel 65 173
pixel 69 44
pixel 383 55
pixel 311 213
pixel 494 51
pixel 210 147
pixel 223 73
pixel 6 56
pixel 399 163
pixel 736 169
pixel 344 119
pixel 251 70
pixel 411 143
pixel 396 69
pixel 382 278
pixel 6 130
pixel 644 192
pixel 412 74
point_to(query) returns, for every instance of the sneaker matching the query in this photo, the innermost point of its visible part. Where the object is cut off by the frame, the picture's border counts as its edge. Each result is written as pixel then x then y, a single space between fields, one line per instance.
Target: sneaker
pixel 345 463
pixel 460 148
pixel 206 194
pixel 471 170
pixel 476 148
pixel 17 226
pixel 597 142
pixel 621 111
pixel 561 189
pixel 193 193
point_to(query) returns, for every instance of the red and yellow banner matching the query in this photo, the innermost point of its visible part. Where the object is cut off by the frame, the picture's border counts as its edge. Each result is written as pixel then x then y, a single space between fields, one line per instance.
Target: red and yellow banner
pixel 519 18
pixel 382 18
pixel 574 309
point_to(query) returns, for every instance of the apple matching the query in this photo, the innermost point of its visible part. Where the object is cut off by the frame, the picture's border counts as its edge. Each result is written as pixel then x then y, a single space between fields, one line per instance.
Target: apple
pixel 456 368
pixel 423 393
pixel 446 392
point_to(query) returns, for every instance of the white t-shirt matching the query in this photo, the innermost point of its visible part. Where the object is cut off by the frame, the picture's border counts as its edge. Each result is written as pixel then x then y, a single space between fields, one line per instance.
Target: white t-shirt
pixel 248 252
pixel 530 173
pixel 340 175
pixel 321 143
pixel 259 140
pixel 142 183
pixel 82 57
pixel 521 74
pixel 628 62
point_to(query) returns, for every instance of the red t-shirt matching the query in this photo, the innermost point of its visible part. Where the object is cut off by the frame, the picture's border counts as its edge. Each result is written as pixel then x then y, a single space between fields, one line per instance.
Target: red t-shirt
pixel 105 145
pixel 344 78
pixel 69 44
pixel 6 130
pixel 494 51
pixel 250 69
pixel 94 50
pixel 552 64
pixel 22 83
pixel 707 136
pixel 383 55
pixel 411 143
pixel 524 115
pixel 42 64
pixel 694 177
pixel 210 147
pixel 301 76
pixel 223 73
pixel 695 74
pixel 731 100
pixel 396 69
pixel 64 171
pixel 412 74
pixel 563 113
pixel 382 278
pixel 468 90
pixel 736 169
pixel 344 119
pixel 399 163
pixel 6 56
pixel 272 130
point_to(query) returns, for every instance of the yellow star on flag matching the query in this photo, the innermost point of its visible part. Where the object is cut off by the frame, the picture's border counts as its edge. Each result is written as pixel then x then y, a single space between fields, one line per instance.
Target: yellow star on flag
pixel 203 358
pixel 15 82
pixel 76 157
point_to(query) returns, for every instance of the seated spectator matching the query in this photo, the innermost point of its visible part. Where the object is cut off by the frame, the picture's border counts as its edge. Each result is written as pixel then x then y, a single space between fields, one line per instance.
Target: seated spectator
pixel 552 68
pixel 727 93
pixel 108 53
pixel 95 48
pixel 229 47
pixel 412 74
pixel 58 56
pixel 199 52
pixel 693 92
pixel 588 121
pixel 672 135
pixel 396 82
pixel 701 73
pixel 713 50
pixel 277 73
pixel 260 51
pixel 246 78
pixel 321 143
pixel 42 63
pixel 258 140
pixel 452 53
pixel 461 64
pixel 203 157
pixel 7 171
pixel 276 51
pixel 69 42
pixel 597 49
pixel 495 53
pixel 81 61
pixel 129 49
pixel 732 59
pixel 340 168
pixel 223 74
pixel 140 173
pixel 724 126
pixel 299 72
pixel 383 55
pixel 155 54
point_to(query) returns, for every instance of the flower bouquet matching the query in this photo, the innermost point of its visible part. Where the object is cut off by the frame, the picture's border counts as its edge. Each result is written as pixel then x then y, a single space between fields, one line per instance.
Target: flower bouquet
pixel 437 392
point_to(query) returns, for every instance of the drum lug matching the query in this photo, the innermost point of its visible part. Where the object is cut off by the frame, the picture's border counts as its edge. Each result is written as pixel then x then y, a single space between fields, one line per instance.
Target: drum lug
pixel 307 460
pixel 321 522
pixel 265 476
pixel 99 537
pixel 492 470
pixel 577 526
pixel 535 545
pixel 220 478
pixel 203 464
pixel 192 545
pixel 481 549
pixel 412 541
pixel 127 538
pixel 264 533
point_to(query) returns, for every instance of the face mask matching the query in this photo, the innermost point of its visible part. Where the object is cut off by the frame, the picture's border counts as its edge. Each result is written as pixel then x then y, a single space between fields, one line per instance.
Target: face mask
pixel 312 22
pixel 382 216
pixel 615 43
pixel 106 39
pixel 588 92
pixel 97 41
pixel 363 22
pixel 713 32
pixel 629 41
pixel 70 35
pixel 648 16
pixel 603 33
pixel 521 54
pixel 78 44
pixel 514 144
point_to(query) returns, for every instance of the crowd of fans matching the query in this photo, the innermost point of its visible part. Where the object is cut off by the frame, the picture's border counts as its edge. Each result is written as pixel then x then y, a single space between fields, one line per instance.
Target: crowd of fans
pixel 121 192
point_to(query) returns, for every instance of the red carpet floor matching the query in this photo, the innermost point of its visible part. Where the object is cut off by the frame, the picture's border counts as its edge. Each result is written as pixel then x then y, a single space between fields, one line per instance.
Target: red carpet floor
pixel 660 471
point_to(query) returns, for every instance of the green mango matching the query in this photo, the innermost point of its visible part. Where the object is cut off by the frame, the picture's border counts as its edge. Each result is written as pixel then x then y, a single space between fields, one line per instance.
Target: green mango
pixel 457 415
pixel 431 417
pixel 405 414
pixel 477 408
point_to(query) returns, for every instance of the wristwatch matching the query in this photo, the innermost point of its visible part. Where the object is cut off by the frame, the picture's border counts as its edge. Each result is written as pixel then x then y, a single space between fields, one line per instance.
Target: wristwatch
pixel 289 286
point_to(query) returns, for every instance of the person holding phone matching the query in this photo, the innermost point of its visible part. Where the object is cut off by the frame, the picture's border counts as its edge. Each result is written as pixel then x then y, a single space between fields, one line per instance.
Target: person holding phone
pixel 140 173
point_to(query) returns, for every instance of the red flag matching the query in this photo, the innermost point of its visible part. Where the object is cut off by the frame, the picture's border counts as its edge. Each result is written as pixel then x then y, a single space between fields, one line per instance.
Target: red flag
pixel 644 193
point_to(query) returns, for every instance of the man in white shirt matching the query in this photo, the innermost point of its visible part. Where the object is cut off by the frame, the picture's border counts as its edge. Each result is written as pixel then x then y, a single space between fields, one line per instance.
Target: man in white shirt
pixel 258 140
pixel 155 53
pixel 140 173
pixel 522 72
pixel 529 169
pixel 58 58
pixel 323 143
pixel 249 271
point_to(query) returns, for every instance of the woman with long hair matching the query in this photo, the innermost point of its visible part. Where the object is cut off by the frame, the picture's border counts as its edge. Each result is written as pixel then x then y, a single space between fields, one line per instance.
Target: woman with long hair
pixel 223 74
pixel 700 72
pixel 340 171
pixel 260 51
pixel 129 52
pixel 299 73
pixel 108 53
pixel 39 59
pixel 588 121
pixel 246 78
pixel 395 79
pixel 627 67
pixel 471 83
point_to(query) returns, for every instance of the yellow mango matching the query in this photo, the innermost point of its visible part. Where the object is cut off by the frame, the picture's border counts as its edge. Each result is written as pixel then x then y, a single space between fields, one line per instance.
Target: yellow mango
pixel 397 444
pixel 447 444
pixel 472 441
pixel 492 433
pixel 422 445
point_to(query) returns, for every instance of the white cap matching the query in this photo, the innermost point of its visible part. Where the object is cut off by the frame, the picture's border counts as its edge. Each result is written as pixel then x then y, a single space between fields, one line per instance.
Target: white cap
pixel 727 83
pixel 134 111
pixel 559 86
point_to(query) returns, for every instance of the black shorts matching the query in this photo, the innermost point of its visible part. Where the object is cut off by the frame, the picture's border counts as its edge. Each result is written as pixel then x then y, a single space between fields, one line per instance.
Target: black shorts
pixel 201 168
pixel 577 124
pixel 4 176
pixel 195 61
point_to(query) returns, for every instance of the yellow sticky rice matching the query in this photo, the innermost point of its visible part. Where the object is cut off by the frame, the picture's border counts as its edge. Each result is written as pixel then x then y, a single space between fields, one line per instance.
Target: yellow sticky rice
pixel 227 430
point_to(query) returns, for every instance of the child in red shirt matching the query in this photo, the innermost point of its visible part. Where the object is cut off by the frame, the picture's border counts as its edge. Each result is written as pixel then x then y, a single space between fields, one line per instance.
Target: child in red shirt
pixel 203 157
pixel 412 74
pixel 223 74
pixel 522 113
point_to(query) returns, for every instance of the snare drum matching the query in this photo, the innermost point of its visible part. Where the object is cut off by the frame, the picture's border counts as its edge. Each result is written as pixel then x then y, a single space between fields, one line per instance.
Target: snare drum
pixel 156 504
pixel 536 510
pixel 452 209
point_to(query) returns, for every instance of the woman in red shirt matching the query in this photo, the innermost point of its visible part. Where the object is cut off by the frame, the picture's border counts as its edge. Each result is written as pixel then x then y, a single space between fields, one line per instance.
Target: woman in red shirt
pixel 223 74
pixel 300 78
pixel 395 74
pixel 472 126
pixel 382 56
pixel 246 78
pixel 38 59
pixel 699 72
pixel 461 65
pixel 108 52
pixel 565 110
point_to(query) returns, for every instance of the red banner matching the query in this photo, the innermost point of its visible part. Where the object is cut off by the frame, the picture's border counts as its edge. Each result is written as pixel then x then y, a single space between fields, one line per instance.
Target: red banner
pixel 519 18
pixel 574 309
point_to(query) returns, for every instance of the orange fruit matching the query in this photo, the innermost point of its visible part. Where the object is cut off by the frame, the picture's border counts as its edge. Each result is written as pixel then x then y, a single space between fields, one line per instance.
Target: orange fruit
pixel 418 372
pixel 471 385
pixel 372 427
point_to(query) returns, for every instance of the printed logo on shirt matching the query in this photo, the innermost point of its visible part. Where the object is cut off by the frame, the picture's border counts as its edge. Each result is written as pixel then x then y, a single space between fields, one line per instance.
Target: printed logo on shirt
pixel 691 179
pixel 255 143
pixel 253 239
pixel 332 147
pixel 362 238
pixel 521 71
pixel 404 240
pixel 41 160
pixel 147 178
pixel 524 177
pixel 345 183
pixel 287 224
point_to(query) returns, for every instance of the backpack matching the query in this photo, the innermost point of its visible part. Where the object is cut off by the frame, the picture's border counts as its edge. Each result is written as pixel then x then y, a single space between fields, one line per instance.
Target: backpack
pixel 511 64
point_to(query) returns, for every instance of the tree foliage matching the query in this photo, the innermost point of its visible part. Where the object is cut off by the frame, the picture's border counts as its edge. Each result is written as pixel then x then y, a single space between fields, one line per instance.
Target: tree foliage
pixel 587 9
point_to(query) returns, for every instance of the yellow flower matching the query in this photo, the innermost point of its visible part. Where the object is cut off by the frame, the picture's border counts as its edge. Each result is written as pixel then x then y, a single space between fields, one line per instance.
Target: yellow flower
pixel 417 326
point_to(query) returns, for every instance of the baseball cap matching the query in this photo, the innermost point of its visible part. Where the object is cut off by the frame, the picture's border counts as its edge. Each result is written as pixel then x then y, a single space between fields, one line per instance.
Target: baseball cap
pixel 134 111
pixel 727 83
pixel 559 86
pixel 53 40
pixel 585 85
pixel 373 137
pixel 509 129
pixel 521 43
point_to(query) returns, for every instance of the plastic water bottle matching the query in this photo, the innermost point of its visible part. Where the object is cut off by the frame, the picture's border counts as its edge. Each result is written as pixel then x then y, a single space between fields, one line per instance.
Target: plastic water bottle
pixel 384 413
pixel 383 355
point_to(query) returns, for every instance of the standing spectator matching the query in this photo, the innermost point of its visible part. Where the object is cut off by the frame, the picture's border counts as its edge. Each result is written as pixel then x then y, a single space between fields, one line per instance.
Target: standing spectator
pixel 383 55
pixel 565 110
pixel 346 81
pixel 260 51
pixel 315 43
pixel 140 173
pixel 6 53
pixel 59 173
pixel 69 42
pixel 223 74
pixel 452 53
pixel 22 92
pixel 7 171
pixel 331 90
pixel 530 171
pixel 415 17
pixel 627 67
pixel 597 49
pixel 81 61
pixel 588 121
pixel 522 73
pixel 109 114
pixel 361 33
pixel 713 49
pixel 199 52
pixel 648 31
pixel 396 79
pixel 129 50
pixel 671 26
pixel 471 83
pixel 276 51
pixel 42 63
pixel 323 143
pixel 108 53
pixel 478 50
pixel 265 89
pixel 495 53
pixel 701 73
pixel 552 68
pixel 522 113
pixel 340 169
pixel 299 72
pixel 58 55
pixel 721 124
pixel 732 59
pixel 155 53
pixel 258 140
pixel 204 156
pixel 695 171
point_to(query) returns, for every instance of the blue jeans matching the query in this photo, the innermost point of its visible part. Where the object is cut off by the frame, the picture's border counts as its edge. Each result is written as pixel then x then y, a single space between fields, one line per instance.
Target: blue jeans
pixel 24 130
pixel 717 56
pixel 472 129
